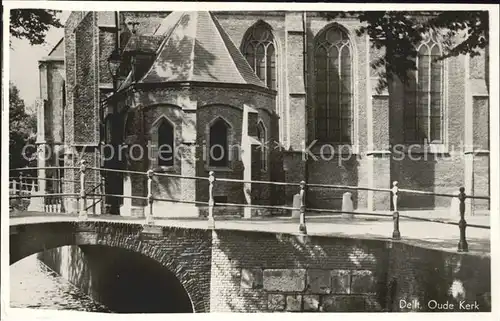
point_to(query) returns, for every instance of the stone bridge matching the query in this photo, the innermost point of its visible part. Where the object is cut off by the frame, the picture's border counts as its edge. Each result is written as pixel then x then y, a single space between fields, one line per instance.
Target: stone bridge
pixel 236 270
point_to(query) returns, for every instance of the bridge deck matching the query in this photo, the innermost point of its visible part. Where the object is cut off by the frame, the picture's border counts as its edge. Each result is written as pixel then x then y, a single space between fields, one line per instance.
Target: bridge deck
pixel 426 234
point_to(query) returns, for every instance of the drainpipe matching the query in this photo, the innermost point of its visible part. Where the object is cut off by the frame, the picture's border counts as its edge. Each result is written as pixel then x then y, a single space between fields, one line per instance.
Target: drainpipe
pixel 117 42
pixel 304 66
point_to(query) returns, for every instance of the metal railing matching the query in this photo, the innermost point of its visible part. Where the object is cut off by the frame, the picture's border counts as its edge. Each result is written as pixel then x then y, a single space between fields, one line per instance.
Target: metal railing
pixel 302 186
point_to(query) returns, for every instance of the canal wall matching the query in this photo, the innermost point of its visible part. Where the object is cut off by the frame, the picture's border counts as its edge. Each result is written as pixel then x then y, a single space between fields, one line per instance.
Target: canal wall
pixel 269 272
pixel 254 271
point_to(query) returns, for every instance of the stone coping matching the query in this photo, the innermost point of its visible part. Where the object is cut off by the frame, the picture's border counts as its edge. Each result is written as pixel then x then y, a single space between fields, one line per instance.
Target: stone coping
pixel 436 236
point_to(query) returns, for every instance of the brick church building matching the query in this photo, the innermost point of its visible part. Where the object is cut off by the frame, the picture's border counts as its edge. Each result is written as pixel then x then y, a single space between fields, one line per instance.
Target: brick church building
pixel 264 87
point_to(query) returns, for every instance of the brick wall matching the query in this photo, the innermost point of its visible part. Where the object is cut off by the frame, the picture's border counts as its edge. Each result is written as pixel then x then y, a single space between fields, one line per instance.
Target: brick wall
pixel 264 272
pixel 191 110
pixel 86 121
pixel 422 275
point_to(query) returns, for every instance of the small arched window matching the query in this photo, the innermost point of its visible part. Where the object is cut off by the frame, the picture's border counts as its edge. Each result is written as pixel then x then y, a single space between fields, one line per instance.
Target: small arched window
pixel 260 52
pixel 262 136
pixel 218 144
pixel 165 144
pixel 334 83
pixel 424 95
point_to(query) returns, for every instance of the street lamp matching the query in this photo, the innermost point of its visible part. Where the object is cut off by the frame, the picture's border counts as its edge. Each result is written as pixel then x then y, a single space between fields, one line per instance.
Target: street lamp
pixel 114 62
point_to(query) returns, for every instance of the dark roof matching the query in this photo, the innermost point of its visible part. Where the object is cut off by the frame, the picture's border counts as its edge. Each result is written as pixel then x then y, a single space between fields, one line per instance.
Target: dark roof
pixel 143 43
pixel 196 48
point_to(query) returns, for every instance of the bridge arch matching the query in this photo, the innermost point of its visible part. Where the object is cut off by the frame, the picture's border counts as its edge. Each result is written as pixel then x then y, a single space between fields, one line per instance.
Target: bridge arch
pixel 186 253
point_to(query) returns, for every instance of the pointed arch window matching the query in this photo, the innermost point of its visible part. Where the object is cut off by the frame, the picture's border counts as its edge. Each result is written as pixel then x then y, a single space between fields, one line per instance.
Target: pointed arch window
pixel 262 137
pixel 423 111
pixel 218 144
pixel 334 86
pixel 165 144
pixel 260 52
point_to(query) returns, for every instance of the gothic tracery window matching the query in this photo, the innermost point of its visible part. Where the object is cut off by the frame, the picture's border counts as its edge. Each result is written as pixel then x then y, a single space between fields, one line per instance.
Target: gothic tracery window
pixel 334 83
pixel 260 52
pixel 423 108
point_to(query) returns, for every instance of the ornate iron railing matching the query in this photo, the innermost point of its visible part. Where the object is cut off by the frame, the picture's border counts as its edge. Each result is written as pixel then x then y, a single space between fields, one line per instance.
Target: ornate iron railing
pixel 302 186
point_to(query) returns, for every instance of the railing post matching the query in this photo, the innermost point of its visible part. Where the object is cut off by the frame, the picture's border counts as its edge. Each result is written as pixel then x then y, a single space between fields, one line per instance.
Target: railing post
pixel 15 187
pixel 61 190
pixel 102 191
pixel 211 203
pixel 20 183
pixel 149 215
pixel 396 235
pixel 302 226
pixel 462 224
pixel 83 195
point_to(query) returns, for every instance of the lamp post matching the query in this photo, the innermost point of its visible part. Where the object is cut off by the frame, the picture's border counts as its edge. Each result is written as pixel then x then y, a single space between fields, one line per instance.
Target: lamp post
pixel 114 62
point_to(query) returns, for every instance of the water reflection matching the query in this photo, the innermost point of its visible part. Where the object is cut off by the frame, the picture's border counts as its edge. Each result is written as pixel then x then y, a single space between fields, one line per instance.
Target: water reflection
pixel 34 285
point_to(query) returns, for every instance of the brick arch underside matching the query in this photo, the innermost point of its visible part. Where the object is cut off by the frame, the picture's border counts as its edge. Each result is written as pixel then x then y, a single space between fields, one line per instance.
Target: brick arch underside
pixel 186 253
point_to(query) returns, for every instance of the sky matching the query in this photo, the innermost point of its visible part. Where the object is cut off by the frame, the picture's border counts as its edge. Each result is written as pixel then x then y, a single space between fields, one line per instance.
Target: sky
pixel 24 63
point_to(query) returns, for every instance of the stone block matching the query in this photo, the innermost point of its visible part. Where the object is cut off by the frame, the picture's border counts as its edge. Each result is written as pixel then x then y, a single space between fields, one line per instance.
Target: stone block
pixel 284 280
pixel 319 281
pixel 276 302
pixel 296 204
pixel 363 281
pixel 251 278
pixel 347 205
pixel 342 303
pixel 340 281
pixel 311 302
pixel 294 302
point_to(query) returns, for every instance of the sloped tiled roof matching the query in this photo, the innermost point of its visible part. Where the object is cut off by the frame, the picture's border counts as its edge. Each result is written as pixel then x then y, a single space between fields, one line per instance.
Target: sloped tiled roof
pixel 143 43
pixel 197 49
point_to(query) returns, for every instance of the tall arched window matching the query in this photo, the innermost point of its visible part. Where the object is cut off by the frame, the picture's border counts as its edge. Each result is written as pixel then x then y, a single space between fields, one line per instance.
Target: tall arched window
pixel 218 144
pixel 424 96
pixel 333 96
pixel 261 135
pixel 260 52
pixel 165 144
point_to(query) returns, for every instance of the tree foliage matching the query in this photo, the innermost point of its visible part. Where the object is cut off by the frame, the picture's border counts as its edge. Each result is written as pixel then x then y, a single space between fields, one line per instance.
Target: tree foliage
pixel 399 32
pixel 33 24
pixel 22 128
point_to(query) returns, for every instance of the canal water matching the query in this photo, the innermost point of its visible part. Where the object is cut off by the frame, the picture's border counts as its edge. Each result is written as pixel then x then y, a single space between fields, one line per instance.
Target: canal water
pixel 34 285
